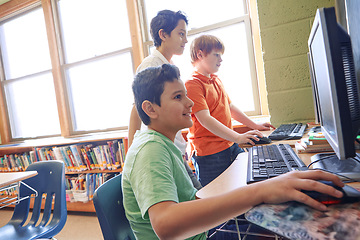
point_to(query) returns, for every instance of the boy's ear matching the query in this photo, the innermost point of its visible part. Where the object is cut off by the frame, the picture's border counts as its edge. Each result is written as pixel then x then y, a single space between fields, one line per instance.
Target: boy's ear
pixel 148 108
pixel 162 34
pixel 200 54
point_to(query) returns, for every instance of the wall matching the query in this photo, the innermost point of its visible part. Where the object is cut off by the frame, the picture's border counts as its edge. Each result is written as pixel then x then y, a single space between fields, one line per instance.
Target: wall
pixel 284 30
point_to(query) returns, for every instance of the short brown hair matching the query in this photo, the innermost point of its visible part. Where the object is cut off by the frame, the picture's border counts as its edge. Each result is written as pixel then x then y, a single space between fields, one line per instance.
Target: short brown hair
pixel 205 43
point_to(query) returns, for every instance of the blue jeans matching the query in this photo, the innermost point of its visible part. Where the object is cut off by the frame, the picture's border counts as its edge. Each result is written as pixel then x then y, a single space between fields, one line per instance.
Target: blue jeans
pixel 209 167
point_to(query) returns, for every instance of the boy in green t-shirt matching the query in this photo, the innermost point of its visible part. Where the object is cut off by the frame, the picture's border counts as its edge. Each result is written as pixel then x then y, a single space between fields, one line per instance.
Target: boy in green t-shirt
pixel 159 198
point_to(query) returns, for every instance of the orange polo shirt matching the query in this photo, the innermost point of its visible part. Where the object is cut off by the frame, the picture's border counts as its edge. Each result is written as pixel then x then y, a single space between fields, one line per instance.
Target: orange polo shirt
pixel 208 93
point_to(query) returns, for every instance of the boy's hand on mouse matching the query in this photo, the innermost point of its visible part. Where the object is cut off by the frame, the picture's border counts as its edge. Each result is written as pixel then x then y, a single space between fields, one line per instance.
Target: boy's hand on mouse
pixel 248 137
pixel 287 187
pixel 265 127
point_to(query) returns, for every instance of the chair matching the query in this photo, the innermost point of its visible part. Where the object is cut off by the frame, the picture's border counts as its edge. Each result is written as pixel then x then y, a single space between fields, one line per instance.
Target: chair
pixel 50 185
pixel 108 202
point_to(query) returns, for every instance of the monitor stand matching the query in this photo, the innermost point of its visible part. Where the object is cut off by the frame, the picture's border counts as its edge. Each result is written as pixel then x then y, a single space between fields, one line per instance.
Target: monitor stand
pixel 349 167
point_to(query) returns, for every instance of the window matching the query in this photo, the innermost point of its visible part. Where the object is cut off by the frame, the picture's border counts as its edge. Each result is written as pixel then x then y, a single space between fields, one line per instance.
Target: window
pixel 28 82
pixel 232 25
pixel 97 63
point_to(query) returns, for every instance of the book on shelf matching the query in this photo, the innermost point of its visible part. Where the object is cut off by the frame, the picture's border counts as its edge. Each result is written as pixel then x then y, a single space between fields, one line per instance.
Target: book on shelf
pixel 82 187
pixel 106 152
pixel 89 164
pixel 90 154
pixel 60 155
pixel 99 157
pixel 115 156
pixel 121 152
pixel 76 153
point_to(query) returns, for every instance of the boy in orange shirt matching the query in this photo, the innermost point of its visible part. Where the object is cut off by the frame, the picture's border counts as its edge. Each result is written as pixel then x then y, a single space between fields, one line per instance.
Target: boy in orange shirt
pixel 213 141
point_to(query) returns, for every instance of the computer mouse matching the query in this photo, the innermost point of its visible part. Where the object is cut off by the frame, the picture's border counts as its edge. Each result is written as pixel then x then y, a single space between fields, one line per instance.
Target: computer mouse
pixel 262 140
pixel 350 194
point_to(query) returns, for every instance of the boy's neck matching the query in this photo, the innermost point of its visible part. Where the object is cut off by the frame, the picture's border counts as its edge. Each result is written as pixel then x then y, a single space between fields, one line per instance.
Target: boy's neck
pixel 165 53
pixel 169 135
pixel 204 73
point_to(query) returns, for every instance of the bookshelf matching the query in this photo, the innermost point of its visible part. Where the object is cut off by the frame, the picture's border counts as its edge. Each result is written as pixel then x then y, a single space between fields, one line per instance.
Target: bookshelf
pixel 81 183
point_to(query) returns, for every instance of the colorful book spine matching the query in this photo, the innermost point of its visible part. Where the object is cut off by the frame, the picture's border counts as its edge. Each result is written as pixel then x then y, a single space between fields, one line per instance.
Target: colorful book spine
pixel 78 158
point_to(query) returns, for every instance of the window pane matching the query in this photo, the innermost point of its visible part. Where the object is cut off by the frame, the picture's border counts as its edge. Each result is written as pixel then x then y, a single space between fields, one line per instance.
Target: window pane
pixel 101 93
pixel 24 45
pixel 33 106
pixel 91 28
pixel 200 12
pixel 235 67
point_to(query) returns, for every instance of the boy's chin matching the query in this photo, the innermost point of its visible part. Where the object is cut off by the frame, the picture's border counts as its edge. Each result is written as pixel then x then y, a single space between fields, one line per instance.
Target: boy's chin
pixel 188 125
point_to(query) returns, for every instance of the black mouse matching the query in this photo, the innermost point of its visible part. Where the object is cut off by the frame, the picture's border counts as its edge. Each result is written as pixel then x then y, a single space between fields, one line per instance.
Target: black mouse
pixel 350 194
pixel 262 140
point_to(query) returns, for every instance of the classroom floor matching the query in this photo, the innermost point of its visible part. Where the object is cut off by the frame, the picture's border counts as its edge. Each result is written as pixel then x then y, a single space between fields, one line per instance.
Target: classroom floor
pixel 79 226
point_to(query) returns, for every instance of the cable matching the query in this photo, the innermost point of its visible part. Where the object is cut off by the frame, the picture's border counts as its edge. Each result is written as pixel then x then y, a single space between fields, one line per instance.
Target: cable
pixel 320 159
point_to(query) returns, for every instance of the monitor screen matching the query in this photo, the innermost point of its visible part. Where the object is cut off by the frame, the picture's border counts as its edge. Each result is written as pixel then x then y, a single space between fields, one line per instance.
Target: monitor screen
pixel 335 83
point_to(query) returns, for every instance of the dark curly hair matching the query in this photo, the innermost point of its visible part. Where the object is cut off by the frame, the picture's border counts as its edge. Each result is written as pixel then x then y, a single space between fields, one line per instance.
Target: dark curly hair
pixel 167 20
pixel 149 85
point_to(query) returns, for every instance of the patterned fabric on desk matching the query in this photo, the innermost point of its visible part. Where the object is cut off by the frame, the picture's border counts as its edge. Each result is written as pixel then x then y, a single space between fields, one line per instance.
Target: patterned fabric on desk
pixel 298 221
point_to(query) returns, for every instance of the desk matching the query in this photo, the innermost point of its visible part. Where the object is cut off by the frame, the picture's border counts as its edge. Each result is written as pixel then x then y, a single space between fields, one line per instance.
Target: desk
pixel 9 178
pixel 8 181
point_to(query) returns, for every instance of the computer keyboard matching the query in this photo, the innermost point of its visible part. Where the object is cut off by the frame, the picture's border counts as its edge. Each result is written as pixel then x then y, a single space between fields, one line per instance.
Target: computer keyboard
pixel 266 161
pixel 288 131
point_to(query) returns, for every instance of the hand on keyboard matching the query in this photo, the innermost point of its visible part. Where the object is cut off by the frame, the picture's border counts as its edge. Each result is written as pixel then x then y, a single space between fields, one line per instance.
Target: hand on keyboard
pixel 265 127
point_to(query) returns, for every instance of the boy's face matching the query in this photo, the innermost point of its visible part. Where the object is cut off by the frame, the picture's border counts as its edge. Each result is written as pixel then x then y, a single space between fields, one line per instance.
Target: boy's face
pixel 210 63
pixel 174 113
pixel 176 41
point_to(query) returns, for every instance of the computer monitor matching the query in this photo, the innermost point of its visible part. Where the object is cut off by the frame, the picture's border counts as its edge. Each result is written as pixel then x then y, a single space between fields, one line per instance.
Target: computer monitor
pixel 314 92
pixel 336 86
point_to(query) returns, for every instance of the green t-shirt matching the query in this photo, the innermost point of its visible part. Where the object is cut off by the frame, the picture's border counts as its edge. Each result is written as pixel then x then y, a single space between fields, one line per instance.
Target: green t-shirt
pixel 154 172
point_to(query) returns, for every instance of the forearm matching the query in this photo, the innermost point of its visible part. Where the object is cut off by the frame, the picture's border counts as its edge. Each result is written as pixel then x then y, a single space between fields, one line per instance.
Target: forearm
pixel 218 129
pixel 194 217
pixel 134 124
pixel 242 117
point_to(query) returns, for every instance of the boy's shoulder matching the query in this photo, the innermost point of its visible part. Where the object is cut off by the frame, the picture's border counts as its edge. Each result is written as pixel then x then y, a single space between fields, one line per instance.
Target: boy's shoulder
pixel 195 77
pixel 151 139
pixel 153 60
pixel 197 80
pixel 145 136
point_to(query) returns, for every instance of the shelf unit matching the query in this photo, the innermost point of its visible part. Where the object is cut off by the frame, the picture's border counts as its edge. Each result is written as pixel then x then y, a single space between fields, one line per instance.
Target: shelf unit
pixel 30 145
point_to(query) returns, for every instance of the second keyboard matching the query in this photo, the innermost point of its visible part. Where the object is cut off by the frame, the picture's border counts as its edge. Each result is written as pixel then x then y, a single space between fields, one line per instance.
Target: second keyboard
pixel 288 131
